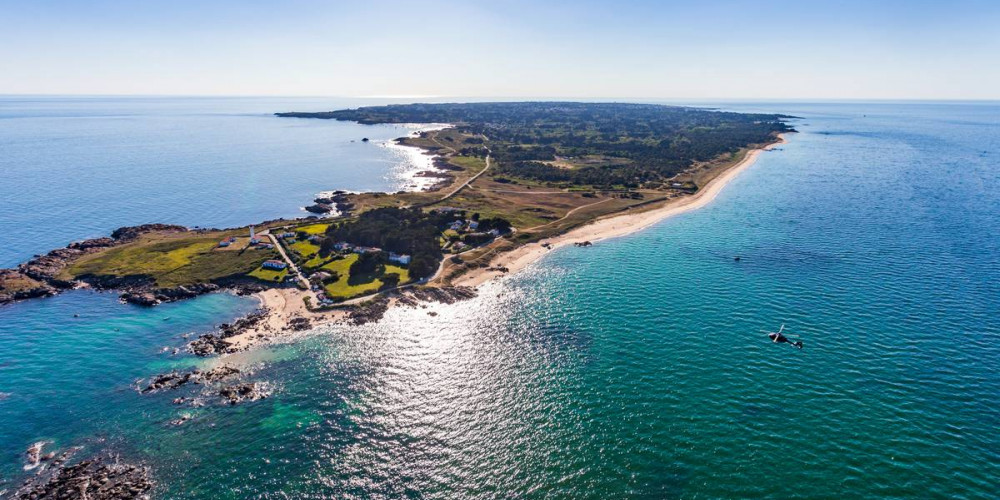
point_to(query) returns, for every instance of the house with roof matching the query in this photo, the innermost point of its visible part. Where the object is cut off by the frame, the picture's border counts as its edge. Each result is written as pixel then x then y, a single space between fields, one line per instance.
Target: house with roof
pixel 274 264
pixel 320 276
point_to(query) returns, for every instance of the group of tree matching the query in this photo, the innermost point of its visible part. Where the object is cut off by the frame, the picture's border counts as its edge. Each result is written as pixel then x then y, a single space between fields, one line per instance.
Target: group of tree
pixel 649 142
pixel 408 231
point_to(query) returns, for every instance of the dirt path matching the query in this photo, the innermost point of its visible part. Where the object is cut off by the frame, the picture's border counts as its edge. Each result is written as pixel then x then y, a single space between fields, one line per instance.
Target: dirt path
pixel 291 265
pixel 568 214
pixel 467 181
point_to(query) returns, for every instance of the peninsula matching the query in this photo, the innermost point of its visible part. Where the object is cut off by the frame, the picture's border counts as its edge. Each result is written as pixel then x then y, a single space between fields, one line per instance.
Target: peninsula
pixel 515 180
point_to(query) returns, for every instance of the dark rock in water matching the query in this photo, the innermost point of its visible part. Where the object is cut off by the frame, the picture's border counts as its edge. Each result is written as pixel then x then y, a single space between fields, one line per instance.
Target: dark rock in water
pixel 217 373
pixel 92 479
pixel 179 421
pixel 173 380
pixel 33 455
pixel 319 208
pixel 140 298
pixel 235 394
pixel 583 244
pixel 170 380
pixel 364 139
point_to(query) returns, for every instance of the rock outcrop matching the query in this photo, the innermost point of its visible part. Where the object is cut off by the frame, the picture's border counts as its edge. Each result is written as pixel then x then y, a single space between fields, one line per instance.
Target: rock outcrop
pixel 97 478
pixel 215 343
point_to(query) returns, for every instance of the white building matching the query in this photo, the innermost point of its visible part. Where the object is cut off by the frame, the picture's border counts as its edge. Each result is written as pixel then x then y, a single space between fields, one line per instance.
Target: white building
pixel 399 258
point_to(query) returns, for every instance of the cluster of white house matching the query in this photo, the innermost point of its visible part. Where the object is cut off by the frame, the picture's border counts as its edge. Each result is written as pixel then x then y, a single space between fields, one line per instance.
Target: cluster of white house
pixel 466 227
pixel 343 246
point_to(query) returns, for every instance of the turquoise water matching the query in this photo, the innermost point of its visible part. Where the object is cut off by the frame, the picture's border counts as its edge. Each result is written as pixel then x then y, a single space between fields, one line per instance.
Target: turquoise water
pixel 631 369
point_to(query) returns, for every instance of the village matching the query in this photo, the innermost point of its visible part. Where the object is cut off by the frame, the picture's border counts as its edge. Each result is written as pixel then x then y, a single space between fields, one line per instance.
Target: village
pixel 336 271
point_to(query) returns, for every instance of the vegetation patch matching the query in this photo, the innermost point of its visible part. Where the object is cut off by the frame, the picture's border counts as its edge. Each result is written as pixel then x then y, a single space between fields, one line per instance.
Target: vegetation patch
pixel 313 228
pixel 271 275
pixel 173 260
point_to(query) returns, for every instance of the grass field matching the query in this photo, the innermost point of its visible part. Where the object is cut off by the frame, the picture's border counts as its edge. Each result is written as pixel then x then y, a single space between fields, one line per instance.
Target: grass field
pixel 306 249
pixel 269 274
pixel 313 228
pixel 172 259
pixel 343 289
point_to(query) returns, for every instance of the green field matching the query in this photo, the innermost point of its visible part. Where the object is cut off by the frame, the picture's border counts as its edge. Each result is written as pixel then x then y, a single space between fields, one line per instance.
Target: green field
pixel 269 274
pixel 173 260
pixel 313 228
pixel 343 289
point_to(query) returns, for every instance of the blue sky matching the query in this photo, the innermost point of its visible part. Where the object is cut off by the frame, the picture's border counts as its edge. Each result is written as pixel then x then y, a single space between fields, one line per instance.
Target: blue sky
pixel 642 49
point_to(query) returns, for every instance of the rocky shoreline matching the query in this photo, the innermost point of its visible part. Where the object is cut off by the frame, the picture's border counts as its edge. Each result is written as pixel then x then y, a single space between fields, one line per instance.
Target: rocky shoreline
pixel 101 477
pixel 336 202
pixel 39 276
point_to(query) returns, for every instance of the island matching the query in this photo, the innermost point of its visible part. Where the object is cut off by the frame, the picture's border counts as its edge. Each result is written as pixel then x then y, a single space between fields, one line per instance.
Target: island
pixel 516 179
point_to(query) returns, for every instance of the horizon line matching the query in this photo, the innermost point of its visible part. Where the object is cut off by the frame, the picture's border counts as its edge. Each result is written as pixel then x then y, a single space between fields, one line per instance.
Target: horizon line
pixel 510 97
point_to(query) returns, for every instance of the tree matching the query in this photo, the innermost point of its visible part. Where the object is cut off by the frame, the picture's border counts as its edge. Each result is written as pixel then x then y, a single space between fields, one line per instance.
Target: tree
pixel 422 266
pixel 370 263
pixel 326 247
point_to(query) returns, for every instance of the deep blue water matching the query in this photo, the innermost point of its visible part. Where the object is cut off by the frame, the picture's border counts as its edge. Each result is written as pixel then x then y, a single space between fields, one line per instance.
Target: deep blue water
pixel 635 368
pixel 79 167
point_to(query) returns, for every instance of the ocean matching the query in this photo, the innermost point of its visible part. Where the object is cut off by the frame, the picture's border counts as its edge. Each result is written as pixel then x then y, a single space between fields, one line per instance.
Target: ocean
pixel 79 167
pixel 636 368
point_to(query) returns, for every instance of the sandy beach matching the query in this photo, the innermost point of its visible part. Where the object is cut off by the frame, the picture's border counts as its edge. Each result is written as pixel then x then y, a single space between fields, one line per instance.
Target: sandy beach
pixel 282 304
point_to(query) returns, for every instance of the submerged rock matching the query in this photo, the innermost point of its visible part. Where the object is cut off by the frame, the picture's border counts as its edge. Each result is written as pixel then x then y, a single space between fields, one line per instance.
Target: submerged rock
pixel 173 380
pixel 170 380
pixel 33 455
pixel 236 394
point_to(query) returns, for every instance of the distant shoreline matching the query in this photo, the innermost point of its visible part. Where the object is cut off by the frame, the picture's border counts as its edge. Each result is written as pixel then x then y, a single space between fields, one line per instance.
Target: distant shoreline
pixel 614 226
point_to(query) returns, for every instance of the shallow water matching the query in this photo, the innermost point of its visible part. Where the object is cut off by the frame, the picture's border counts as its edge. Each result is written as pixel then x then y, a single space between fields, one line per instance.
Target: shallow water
pixel 633 368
